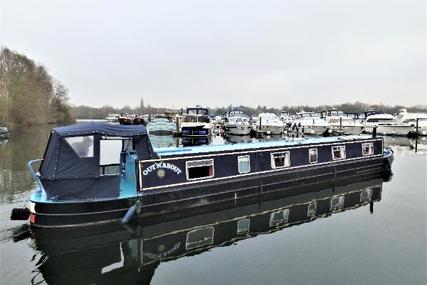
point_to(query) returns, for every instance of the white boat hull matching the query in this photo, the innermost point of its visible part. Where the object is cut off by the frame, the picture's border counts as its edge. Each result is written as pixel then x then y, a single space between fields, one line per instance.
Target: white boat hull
pixel 310 130
pixel 238 129
pixel 269 129
pixel 393 130
pixel 348 130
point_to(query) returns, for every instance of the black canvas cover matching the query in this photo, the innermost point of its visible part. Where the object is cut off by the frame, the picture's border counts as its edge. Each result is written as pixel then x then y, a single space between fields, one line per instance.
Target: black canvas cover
pixel 72 168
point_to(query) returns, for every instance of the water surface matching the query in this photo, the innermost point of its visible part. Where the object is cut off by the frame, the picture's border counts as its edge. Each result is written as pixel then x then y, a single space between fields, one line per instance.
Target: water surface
pixel 383 242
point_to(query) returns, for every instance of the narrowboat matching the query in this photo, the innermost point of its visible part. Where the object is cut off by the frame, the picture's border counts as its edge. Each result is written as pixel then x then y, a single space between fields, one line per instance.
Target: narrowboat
pixel 98 172
pixel 113 253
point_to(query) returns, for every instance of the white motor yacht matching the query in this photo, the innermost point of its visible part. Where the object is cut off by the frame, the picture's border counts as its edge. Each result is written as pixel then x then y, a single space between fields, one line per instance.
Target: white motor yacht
pixel 196 123
pixel 268 123
pixel 403 117
pixel 386 124
pixel 237 123
pixel 310 123
pixel 339 122
pixel 286 118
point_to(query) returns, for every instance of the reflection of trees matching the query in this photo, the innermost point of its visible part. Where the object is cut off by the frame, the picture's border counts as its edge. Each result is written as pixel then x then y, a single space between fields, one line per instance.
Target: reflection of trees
pixel 24 144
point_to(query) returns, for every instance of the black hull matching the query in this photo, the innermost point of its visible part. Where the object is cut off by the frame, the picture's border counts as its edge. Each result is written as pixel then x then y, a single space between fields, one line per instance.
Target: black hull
pixel 174 199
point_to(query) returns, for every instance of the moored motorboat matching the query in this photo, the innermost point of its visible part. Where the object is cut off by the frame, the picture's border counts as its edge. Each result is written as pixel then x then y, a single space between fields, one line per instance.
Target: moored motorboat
pixel 237 123
pixel 386 124
pixel 310 123
pixel 113 118
pixel 417 120
pixel 77 186
pixel 341 123
pixel 268 123
pixel 196 123
pixel 161 126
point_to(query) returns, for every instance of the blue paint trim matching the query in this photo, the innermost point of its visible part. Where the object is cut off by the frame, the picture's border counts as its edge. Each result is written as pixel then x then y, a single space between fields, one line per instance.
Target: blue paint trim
pixel 173 151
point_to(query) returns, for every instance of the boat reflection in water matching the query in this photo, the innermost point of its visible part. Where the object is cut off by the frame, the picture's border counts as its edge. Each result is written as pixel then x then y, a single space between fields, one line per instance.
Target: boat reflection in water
pixel 130 254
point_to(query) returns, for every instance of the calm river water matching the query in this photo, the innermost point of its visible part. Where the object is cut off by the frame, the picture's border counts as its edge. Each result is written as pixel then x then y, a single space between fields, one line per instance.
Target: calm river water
pixel 379 240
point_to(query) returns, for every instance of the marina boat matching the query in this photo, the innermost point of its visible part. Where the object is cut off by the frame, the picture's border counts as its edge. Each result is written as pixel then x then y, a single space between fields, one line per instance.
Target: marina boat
pixel 77 185
pixel 196 122
pixel 310 123
pixel 115 254
pixel 238 138
pixel 403 117
pixel 132 119
pixel 113 118
pixel 237 123
pixel 386 124
pixel 163 141
pixel 161 126
pixel 286 118
pixel 4 133
pixel 268 123
pixel 339 122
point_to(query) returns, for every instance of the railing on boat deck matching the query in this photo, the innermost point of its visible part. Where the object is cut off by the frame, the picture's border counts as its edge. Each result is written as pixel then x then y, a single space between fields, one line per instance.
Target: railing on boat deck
pixel 33 173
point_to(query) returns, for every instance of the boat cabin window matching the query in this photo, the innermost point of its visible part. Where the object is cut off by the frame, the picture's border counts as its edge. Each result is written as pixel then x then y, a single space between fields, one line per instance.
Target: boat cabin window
pixel 243 226
pixel 311 209
pixel 244 164
pixel 367 148
pixel 338 152
pixel 280 159
pixel 199 237
pixel 366 195
pixel 337 203
pixel 279 218
pixel 109 156
pixel 82 146
pixel 200 169
pixel 312 155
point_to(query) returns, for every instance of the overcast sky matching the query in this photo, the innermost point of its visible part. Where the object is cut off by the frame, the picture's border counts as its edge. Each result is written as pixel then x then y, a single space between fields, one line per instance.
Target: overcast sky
pixel 221 52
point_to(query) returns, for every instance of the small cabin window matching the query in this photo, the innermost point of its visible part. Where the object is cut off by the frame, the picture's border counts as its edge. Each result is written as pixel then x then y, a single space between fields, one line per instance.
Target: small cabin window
pixel 82 146
pixel 200 169
pixel 280 159
pixel 337 203
pixel 366 195
pixel 338 152
pixel 244 164
pixel 199 237
pixel 311 209
pixel 312 155
pixel 367 149
pixel 279 218
pixel 243 226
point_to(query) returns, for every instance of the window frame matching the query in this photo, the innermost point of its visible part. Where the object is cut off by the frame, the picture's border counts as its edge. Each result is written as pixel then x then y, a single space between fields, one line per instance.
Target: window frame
pixel 239 157
pixel 187 167
pixel 342 147
pixel 194 245
pixel 309 155
pixel 286 165
pixel 240 231
pixel 91 148
pixel 371 148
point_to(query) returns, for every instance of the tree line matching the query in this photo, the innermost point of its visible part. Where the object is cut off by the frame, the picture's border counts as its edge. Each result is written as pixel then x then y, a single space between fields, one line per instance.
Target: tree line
pixel 86 112
pixel 28 94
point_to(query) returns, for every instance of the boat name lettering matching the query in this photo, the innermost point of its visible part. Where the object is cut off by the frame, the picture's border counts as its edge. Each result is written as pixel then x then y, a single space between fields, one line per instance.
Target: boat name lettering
pixel 162 165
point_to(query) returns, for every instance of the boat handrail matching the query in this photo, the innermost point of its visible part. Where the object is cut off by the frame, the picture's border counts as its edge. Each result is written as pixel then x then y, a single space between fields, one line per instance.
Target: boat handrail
pixel 33 173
